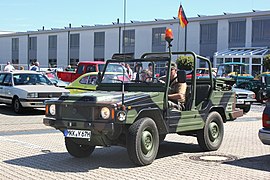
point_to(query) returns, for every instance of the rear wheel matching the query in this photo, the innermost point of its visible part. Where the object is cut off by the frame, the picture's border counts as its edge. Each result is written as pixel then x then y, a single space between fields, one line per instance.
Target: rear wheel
pixel 211 136
pixel 16 104
pixel 143 141
pixel 78 150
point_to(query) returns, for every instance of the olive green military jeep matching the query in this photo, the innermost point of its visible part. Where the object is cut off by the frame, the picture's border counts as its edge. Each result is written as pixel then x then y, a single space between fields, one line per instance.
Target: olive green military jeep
pixel 134 112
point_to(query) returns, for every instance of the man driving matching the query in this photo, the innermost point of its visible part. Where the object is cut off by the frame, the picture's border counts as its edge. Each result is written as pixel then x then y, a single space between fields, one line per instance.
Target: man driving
pixel 177 91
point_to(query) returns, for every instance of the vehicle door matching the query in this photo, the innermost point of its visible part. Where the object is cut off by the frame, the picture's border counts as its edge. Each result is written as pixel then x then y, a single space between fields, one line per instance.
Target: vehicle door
pixel 8 89
pixel 2 93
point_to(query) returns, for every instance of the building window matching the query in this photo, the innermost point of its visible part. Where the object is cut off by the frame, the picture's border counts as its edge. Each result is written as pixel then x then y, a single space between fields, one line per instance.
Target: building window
pixel 32 49
pixel 158 39
pixel 74 40
pixel 208 33
pixel 99 46
pixel 260 32
pixel 128 41
pixel 237 34
pixel 53 42
pixel 15 51
pixel 52 51
pixel 208 39
pixel 32 43
pixel 74 49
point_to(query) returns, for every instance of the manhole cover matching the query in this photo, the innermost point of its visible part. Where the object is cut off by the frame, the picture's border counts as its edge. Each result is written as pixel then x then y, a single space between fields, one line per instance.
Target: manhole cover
pixel 213 158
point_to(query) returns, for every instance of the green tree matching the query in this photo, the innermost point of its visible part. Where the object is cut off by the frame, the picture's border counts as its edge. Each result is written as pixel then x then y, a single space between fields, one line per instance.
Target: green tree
pixel 266 62
pixel 185 62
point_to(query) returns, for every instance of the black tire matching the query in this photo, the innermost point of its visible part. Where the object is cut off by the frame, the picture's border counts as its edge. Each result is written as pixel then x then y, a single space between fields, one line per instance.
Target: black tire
pixel 17 106
pixel 78 150
pixel 246 109
pixel 211 136
pixel 143 141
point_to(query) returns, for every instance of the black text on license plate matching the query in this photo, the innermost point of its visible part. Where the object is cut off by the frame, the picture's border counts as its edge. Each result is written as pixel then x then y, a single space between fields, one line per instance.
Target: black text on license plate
pixel 77 133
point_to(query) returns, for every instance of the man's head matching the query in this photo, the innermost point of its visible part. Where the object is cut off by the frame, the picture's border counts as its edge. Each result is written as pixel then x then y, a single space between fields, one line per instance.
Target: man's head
pixel 173 70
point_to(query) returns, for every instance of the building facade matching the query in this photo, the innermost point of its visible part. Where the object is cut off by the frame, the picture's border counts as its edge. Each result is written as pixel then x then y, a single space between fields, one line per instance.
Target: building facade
pixel 206 35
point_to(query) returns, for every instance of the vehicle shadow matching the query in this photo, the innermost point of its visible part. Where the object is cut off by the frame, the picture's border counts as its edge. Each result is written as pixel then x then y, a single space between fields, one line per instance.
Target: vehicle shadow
pixel 111 157
pixel 7 110
pixel 258 163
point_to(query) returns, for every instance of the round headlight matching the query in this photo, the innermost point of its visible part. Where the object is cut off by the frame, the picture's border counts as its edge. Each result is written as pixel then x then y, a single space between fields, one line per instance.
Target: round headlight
pixel 121 115
pixel 105 113
pixel 52 109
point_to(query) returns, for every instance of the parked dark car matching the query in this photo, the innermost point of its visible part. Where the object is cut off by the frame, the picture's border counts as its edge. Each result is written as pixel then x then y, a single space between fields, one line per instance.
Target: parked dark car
pixel 264 132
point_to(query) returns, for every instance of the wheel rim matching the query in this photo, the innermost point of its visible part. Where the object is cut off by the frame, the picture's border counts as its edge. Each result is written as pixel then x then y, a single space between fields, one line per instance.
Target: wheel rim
pixel 146 142
pixel 213 131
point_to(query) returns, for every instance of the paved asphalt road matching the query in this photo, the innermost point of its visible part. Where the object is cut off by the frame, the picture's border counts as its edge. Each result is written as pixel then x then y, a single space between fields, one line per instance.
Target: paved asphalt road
pixel 30 150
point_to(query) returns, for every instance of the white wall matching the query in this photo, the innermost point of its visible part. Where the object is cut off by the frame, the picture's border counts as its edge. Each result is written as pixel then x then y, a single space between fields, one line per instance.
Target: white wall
pixel 249 32
pixel 111 42
pixel 143 40
pixel 62 49
pixel 42 50
pixel 23 53
pixel 86 46
pixel 5 50
pixel 193 37
pixel 223 35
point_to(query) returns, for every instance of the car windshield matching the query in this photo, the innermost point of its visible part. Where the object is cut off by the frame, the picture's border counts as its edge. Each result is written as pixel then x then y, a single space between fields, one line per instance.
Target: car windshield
pixel 31 79
pixel 135 71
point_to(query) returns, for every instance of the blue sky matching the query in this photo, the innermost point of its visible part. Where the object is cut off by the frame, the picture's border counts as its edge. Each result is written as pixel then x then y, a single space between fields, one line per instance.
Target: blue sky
pixel 24 15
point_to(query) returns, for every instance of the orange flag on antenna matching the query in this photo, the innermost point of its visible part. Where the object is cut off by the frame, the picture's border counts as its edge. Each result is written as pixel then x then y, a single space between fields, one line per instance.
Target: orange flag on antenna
pixel 182 17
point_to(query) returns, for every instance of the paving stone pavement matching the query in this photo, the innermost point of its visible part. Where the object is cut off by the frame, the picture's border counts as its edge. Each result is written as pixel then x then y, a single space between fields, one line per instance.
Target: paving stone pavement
pixel 30 150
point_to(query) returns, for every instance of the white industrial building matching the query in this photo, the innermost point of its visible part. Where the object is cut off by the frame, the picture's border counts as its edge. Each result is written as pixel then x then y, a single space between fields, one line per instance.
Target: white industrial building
pixel 206 35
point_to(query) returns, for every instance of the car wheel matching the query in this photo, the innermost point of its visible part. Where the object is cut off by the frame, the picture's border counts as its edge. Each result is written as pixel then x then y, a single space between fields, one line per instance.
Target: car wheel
pixel 246 109
pixel 16 104
pixel 78 150
pixel 211 136
pixel 143 141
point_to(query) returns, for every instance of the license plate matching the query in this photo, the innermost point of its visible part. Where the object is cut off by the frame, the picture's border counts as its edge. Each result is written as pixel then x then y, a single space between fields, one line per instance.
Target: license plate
pixel 247 103
pixel 77 133
pixel 240 101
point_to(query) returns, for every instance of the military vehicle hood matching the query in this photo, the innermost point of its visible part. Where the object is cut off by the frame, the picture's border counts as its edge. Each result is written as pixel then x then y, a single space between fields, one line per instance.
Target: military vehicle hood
pixel 111 97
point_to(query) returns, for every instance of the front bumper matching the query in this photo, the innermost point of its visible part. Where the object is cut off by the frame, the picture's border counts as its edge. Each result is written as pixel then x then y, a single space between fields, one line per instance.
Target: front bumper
pixel 264 135
pixel 35 102
pixel 106 128
pixel 245 102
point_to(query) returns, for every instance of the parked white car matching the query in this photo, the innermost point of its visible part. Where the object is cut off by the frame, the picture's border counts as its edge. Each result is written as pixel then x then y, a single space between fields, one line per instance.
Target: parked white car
pixel 27 89
pixel 244 98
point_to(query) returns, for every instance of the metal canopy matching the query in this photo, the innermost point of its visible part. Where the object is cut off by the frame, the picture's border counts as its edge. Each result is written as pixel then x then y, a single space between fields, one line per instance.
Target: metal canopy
pixel 243 52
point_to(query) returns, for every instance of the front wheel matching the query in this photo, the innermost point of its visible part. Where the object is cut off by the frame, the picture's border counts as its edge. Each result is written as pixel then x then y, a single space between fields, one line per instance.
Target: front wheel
pixel 143 141
pixel 16 104
pixel 211 136
pixel 78 150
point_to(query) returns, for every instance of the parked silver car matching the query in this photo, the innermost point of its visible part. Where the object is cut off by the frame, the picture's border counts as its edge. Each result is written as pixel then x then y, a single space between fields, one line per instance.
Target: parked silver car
pixel 244 98
pixel 27 89
pixel 264 132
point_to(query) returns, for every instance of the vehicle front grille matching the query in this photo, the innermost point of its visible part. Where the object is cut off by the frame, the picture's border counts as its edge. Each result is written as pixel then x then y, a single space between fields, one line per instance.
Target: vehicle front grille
pixel 241 96
pixel 49 95
pixel 76 112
